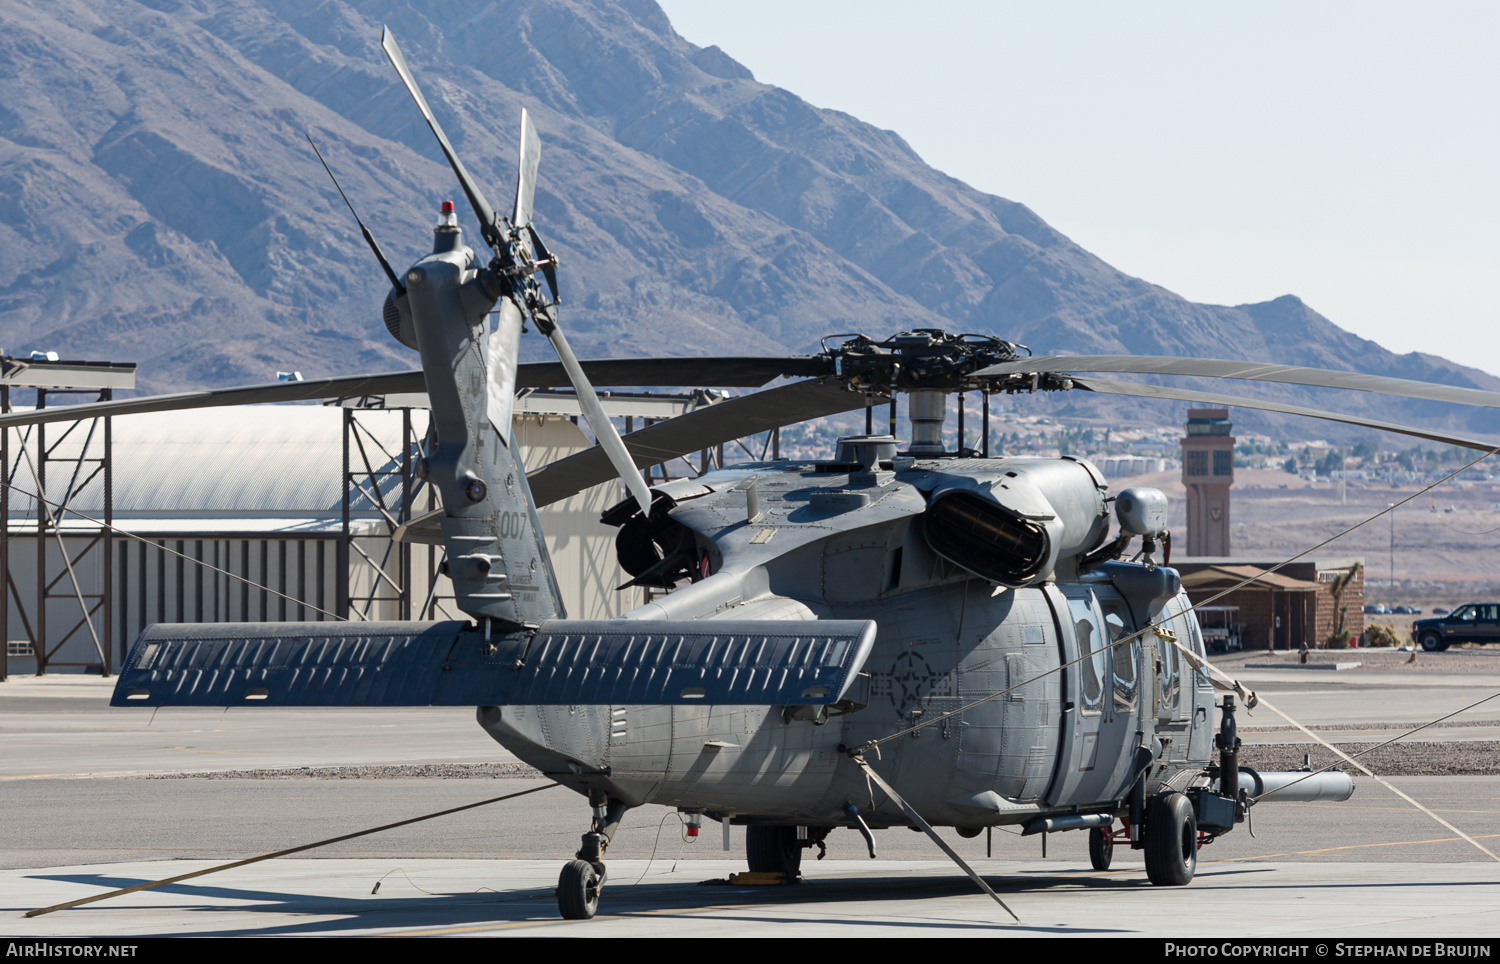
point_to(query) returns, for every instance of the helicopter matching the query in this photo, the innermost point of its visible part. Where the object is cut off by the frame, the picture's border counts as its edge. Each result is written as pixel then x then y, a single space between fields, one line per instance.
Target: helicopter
pixel 898 636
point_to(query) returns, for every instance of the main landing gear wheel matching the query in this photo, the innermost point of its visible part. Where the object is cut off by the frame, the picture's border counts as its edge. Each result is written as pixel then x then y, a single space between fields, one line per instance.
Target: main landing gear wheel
pixel 1433 642
pixel 578 890
pixel 773 850
pixel 1101 848
pixel 1171 840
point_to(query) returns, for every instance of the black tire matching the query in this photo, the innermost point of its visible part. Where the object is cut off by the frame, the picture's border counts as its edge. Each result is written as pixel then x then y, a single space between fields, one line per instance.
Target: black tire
pixel 1433 642
pixel 773 850
pixel 578 890
pixel 1101 848
pixel 1171 840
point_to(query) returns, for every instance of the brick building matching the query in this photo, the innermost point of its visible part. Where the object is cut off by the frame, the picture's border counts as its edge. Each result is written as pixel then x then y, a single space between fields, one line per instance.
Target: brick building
pixel 1282 609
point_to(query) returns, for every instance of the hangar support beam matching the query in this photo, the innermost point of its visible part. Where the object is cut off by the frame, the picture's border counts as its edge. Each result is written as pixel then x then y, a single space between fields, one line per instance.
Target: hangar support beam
pixel 383 481
pixel 72 581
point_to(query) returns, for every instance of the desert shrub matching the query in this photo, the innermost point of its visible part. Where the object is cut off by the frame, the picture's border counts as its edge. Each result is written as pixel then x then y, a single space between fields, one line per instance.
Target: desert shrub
pixel 1381 635
pixel 1338 640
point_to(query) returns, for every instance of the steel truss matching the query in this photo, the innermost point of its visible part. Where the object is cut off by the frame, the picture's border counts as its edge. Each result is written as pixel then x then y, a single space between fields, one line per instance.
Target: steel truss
pixel 385 482
pixel 54 560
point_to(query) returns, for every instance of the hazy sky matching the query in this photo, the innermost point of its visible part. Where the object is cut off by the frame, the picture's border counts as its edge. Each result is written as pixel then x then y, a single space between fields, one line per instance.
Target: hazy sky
pixel 1342 152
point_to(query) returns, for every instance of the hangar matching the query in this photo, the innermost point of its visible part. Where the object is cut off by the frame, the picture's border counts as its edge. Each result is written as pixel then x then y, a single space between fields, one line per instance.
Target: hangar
pixel 265 513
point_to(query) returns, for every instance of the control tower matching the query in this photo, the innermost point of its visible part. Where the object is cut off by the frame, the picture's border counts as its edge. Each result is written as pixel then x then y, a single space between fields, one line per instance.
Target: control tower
pixel 1208 472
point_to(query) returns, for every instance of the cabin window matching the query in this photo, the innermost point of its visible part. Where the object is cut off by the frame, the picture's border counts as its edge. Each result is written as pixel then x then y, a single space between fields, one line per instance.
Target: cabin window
pixel 1185 626
pixel 1171 680
pixel 1124 657
pixel 1174 665
pixel 1091 645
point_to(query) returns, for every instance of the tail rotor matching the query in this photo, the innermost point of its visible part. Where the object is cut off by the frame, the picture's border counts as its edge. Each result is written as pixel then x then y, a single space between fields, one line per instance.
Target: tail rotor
pixel 519 255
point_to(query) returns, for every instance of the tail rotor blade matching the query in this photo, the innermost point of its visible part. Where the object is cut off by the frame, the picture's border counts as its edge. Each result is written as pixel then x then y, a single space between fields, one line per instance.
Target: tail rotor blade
pixel 531 152
pixel 486 214
pixel 549 266
pixel 546 321
pixel 603 428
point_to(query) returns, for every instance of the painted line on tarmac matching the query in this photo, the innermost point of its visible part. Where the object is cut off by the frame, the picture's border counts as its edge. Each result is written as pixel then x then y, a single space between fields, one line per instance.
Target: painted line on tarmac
pixel 1329 850
pixel 1362 809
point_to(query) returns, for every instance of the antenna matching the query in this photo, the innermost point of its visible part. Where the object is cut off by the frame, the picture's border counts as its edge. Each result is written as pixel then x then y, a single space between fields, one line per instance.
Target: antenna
pixel 369 238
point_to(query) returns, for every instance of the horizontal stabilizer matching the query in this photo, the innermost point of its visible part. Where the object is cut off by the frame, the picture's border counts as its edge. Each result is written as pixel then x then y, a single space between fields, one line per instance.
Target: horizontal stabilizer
pixel 566 662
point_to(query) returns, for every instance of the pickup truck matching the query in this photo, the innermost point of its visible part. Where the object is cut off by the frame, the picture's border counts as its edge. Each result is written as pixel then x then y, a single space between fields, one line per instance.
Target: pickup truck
pixel 1469 623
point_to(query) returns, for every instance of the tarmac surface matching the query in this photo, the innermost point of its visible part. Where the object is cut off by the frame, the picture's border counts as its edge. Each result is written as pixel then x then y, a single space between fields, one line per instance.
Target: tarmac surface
pixel 87 809
pixel 915 898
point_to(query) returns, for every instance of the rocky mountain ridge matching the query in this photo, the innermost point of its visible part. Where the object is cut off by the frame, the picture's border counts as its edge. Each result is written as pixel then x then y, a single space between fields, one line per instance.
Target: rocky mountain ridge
pixel 159 203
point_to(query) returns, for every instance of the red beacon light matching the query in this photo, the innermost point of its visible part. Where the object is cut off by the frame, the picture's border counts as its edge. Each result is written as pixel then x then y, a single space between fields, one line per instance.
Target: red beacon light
pixel 448 219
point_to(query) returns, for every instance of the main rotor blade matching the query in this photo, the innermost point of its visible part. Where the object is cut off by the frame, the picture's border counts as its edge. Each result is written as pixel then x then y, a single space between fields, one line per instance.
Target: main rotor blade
pixel 742 372
pixel 488 225
pixel 386 383
pixel 748 372
pixel 695 431
pixel 1213 398
pixel 1249 371
pixel 531 155
pixel 604 429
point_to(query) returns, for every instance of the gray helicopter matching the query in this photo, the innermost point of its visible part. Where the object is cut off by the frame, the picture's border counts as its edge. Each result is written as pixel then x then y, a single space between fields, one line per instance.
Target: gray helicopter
pixel 899 636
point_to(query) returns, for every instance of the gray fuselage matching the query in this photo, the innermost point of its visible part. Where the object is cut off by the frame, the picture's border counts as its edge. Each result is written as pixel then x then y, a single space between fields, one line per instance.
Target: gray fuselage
pixel 850 545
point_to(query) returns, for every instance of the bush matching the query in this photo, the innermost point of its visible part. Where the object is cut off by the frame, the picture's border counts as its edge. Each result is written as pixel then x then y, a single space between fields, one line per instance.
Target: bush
pixel 1338 640
pixel 1381 635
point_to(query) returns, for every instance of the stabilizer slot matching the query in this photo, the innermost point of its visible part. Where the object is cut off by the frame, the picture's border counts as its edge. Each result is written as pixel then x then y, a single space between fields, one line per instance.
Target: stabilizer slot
pixel 567 662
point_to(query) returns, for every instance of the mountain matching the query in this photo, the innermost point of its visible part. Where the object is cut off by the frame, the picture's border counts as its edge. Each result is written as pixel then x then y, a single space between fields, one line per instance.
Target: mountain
pixel 159 202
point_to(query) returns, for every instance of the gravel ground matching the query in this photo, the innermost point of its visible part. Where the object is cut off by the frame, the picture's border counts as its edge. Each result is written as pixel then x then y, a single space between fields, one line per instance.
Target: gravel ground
pixel 1288 728
pixel 1400 759
pixel 436 771
pixel 1397 760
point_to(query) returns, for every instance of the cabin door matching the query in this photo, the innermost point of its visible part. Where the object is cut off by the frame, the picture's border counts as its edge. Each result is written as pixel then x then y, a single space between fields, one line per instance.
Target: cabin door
pixel 1096 735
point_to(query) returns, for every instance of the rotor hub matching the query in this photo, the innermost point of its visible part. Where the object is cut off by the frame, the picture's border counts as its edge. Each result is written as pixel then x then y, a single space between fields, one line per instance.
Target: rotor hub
pixel 926 359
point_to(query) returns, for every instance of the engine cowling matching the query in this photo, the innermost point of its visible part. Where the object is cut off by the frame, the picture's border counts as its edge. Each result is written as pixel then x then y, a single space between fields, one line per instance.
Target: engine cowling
pixel 1013 530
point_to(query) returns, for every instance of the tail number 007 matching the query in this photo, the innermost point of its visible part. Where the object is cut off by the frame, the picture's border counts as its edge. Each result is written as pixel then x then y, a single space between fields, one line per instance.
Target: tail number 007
pixel 511 525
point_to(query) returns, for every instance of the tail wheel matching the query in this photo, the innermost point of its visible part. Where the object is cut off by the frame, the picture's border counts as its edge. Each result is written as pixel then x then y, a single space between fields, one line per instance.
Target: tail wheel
pixel 773 850
pixel 1171 840
pixel 1101 847
pixel 578 890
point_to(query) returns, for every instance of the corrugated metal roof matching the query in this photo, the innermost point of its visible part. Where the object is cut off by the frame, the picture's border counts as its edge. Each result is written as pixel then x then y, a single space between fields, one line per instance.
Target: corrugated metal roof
pixel 254 460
